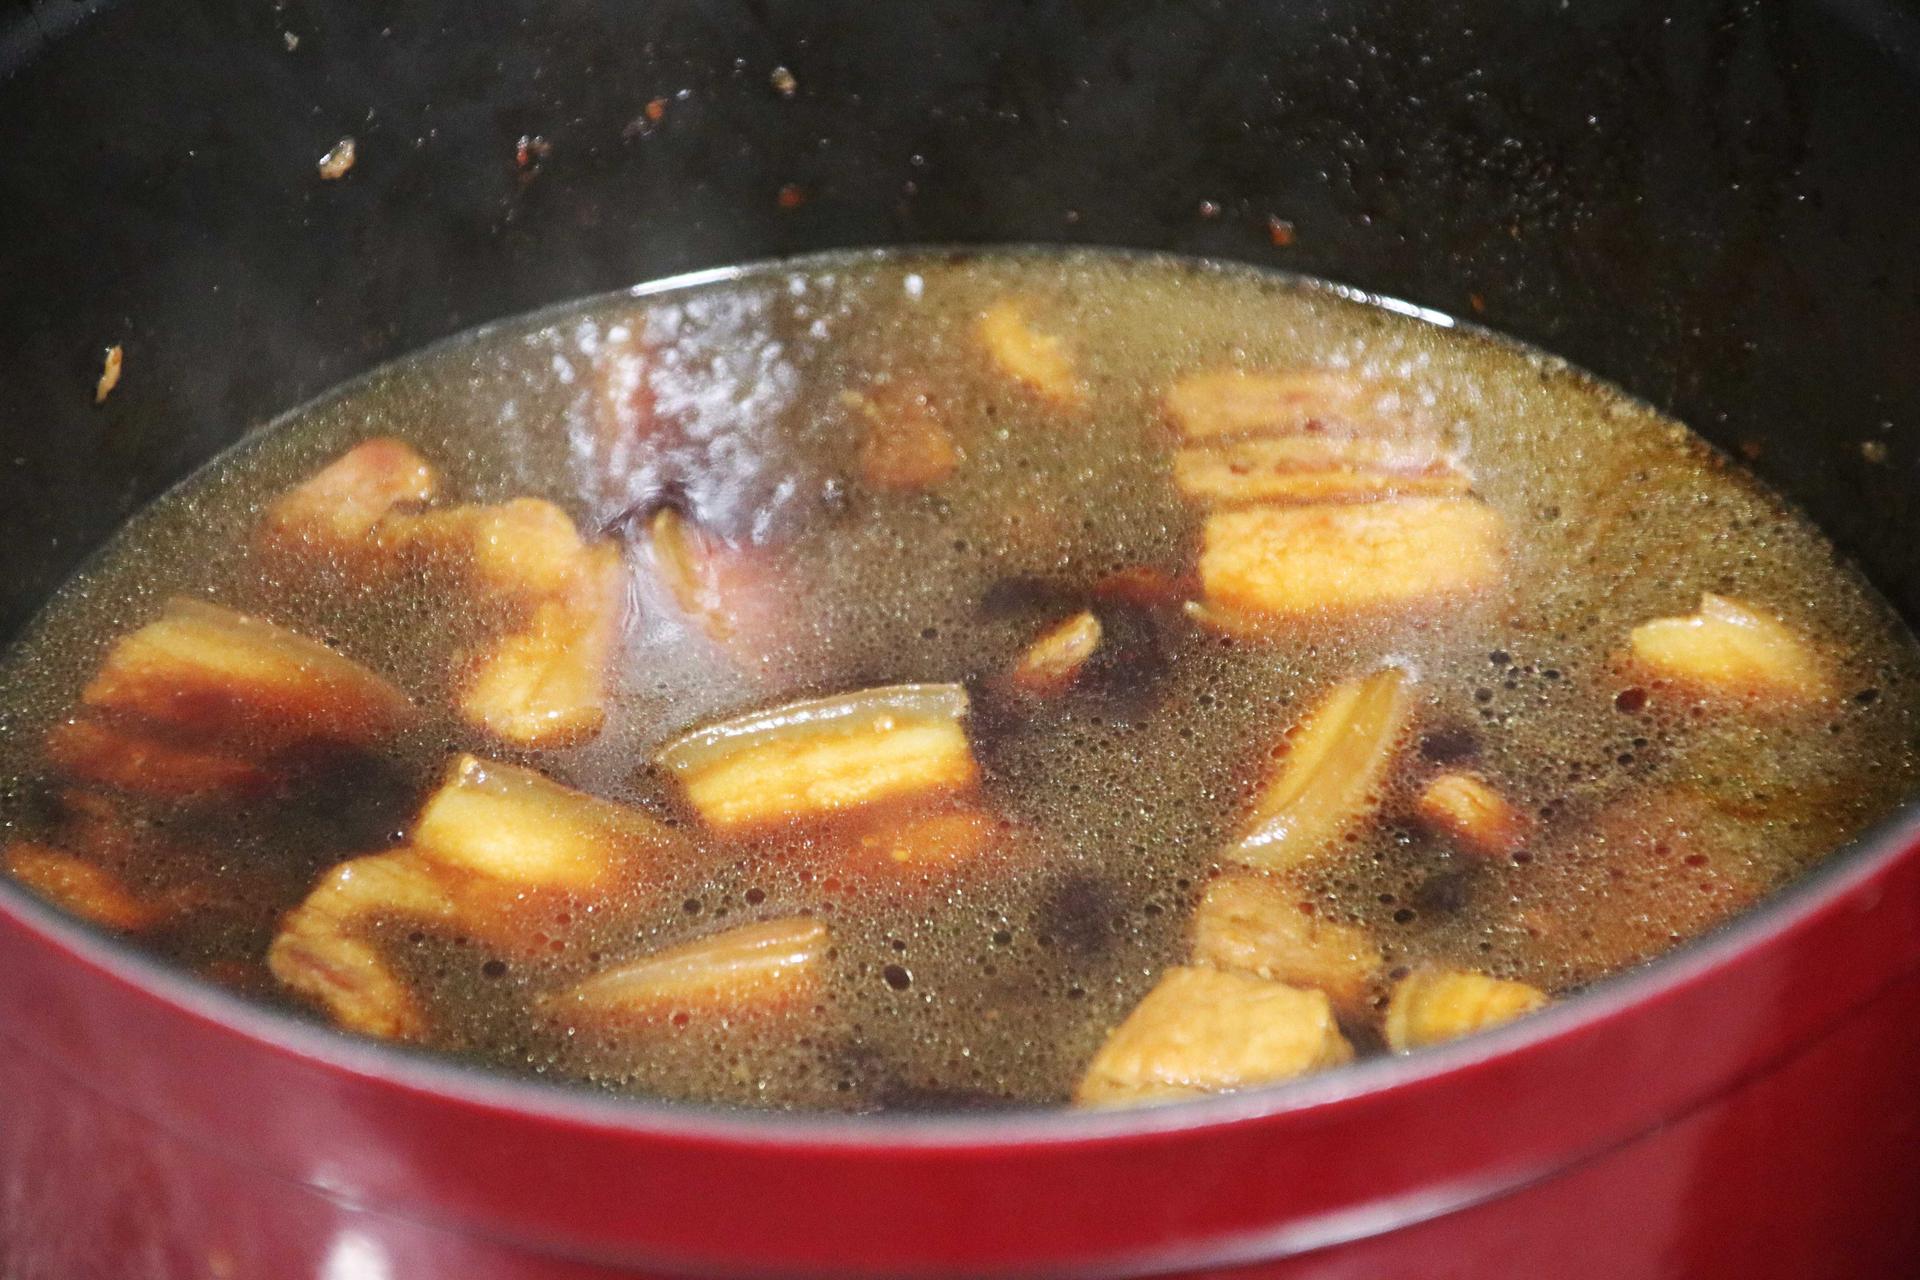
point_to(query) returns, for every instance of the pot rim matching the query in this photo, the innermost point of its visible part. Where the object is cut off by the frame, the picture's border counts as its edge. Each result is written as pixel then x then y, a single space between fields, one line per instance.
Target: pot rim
pixel 430 1073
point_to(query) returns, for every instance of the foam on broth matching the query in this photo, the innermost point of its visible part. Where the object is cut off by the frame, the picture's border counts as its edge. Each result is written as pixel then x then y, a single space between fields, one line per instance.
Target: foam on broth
pixel 998 985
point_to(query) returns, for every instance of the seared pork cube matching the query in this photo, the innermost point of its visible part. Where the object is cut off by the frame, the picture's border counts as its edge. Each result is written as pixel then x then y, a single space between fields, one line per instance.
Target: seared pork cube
pixel 1205 1031
pixel 822 756
pixel 526 549
pixel 543 683
pixel 1220 403
pixel 332 515
pixel 1330 775
pixel 904 445
pixel 326 948
pixel 213 679
pixel 1266 566
pixel 1433 1004
pixel 724 590
pixel 119 757
pixel 1315 468
pixel 1473 815
pixel 82 888
pixel 1054 661
pixel 1734 650
pixel 754 969
pixel 1252 924
pixel 1036 360
pixel 516 826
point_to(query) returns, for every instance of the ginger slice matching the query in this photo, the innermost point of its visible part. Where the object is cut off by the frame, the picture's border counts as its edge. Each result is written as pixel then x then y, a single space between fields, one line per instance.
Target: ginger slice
pixel 1230 402
pixel 522 828
pixel 81 888
pixel 1036 360
pixel 1205 1031
pixel 213 679
pixel 333 513
pixel 905 446
pixel 1301 469
pixel 1732 649
pixel 754 969
pixel 1434 1004
pixel 1330 775
pixel 817 757
pixel 1054 661
pixel 1474 815
pixel 1251 924
pixel 325 950
pixel 1289 564
pixel 113 756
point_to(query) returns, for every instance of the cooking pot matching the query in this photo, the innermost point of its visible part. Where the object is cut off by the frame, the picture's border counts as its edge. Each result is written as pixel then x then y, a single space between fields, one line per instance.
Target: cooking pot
pixel 1711 204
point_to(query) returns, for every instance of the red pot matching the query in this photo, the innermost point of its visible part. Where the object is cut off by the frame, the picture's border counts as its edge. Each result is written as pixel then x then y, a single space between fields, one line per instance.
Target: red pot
pixel 1712 205
pixel 1744 1108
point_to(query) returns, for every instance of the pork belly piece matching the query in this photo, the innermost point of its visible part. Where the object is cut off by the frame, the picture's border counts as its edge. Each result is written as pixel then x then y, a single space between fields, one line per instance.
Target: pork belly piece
pixel 1315 468
pixel 330 517
pixel 108 755
pixel 82 888
pixel 326 949
pixel 1220 403
pixel 521 827
pixel 493 845
pixel 1054 661
pixel 942 838
pixel 821 756
pixel 1731 649
pixel 724 590
pixel 1433 1004
pixel 215 681
pixel 904 446
pixel 1205 1031
pixel 544 683
pixel 1267 566
pixel 1474 816
pixel 1252 924
pixel 1035 359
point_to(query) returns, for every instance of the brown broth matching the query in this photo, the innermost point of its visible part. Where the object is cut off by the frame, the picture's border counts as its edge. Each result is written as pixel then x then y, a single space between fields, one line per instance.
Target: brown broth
pixel 996 986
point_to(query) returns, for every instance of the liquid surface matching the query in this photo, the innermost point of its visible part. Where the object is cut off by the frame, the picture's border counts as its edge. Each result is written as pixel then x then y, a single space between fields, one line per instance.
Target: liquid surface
pixel 996 982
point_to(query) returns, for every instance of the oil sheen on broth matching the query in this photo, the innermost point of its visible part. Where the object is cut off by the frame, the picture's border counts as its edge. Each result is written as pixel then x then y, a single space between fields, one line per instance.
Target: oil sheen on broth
pixel 762 413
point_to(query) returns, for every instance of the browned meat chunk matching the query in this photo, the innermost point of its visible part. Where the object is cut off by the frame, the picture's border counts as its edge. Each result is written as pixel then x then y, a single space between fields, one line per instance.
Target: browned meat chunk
pixel 82 888
pixel 1036 360
pixel 210 679
pixel 1473 815
pixel 1274 565
pixel 1206 1031
pixel 823 756
pixel 905 446
pixel 1053 662
pixel 1251 924
pixel 1733 650
pixel 1430 1005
